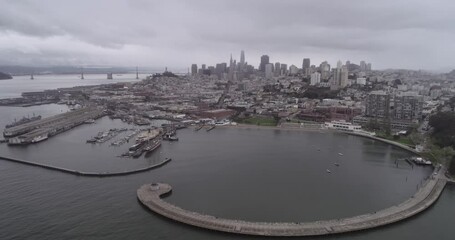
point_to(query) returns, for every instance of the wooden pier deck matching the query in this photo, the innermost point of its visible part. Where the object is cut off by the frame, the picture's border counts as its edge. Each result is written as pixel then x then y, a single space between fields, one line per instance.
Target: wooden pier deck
pixel 150 196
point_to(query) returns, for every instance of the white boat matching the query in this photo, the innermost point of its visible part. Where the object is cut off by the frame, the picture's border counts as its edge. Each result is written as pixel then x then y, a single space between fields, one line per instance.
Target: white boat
pixel 39 138
pixel 340 154
pixel 328 171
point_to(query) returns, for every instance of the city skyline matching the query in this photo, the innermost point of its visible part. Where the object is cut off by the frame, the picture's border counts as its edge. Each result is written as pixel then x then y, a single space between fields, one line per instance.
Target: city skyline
pixel 409 35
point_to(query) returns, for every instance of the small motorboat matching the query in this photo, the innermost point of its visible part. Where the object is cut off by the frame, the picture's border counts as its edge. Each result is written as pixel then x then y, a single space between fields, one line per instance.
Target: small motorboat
pixel 337 164
pixel 328 171
pixel 340 154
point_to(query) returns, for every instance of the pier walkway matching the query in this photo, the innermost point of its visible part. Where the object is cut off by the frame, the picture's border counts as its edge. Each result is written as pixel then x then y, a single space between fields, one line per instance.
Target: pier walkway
pixel 88 174
pixel 150 196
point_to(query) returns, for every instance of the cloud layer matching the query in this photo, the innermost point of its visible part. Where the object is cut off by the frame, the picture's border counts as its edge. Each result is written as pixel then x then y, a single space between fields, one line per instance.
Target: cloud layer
pixel 175 33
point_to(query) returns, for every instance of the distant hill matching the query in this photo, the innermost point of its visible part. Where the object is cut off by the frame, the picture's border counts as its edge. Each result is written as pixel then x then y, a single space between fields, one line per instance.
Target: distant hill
pixel 451 74
pixel 4 76
pixel 26 70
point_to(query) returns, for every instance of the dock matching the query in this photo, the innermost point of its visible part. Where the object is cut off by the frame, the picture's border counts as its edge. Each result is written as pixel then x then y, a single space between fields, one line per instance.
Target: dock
pixel 44 128
pixel 150 196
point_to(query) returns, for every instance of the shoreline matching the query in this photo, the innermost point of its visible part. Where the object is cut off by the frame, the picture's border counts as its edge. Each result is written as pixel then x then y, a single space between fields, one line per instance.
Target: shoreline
pixel 252 126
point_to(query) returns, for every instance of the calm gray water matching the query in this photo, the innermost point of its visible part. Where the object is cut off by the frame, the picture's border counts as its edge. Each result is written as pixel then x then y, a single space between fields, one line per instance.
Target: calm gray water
pixel 19 84
pixel 261 175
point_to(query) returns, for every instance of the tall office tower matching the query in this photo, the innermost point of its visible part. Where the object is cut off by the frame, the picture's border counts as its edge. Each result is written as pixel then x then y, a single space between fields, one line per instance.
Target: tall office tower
pixel 315 78
pixel 277 69
pixel 339 64
pixel 241 66
pixel 335 80
pixel 284 69
pixel 264 61
pixel 348 63
pixel 344 76
pixel 242 58
pixel 194 69
pixel 306 66
pixel 269 71
pixel 203 67
pixel 232 66
pixel 369 67
pixel 324 67
pixel 220 69
pixel 363 66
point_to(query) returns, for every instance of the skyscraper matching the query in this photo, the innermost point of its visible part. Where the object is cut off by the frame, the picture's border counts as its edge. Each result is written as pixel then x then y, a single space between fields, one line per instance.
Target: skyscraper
pixel 242 58
pixel 277 69
pixel 268 71
pixel 306 63
pixel 344 76
pixel 264 61
pixel 315 78
pixel 284 69
pixel 363 66
pixel 324 67
pixel 194 69
pixel 339 64
pixel 293 70
pixel 339 77
pixel 232 66
pixel 306 66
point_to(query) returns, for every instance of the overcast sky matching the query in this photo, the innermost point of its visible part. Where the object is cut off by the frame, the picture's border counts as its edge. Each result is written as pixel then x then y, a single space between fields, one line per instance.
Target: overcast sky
pixel 416 34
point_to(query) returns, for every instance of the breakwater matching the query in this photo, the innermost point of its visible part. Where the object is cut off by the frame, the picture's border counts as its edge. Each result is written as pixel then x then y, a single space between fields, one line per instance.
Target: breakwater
pixel 150 196
pixel 88 174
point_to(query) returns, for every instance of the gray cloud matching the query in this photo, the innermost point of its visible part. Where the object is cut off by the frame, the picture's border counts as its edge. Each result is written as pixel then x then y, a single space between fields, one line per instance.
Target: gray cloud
pixel 390 34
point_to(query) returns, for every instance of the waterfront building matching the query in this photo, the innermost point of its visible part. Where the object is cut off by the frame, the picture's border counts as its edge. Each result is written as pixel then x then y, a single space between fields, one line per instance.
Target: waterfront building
pixel 407 106
pixel 401 107
pixel 378 104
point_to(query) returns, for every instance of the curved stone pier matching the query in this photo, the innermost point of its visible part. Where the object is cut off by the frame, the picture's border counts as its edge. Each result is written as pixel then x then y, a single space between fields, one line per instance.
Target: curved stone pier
pixel 150 196
pixel 402 146
pixel 87 174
